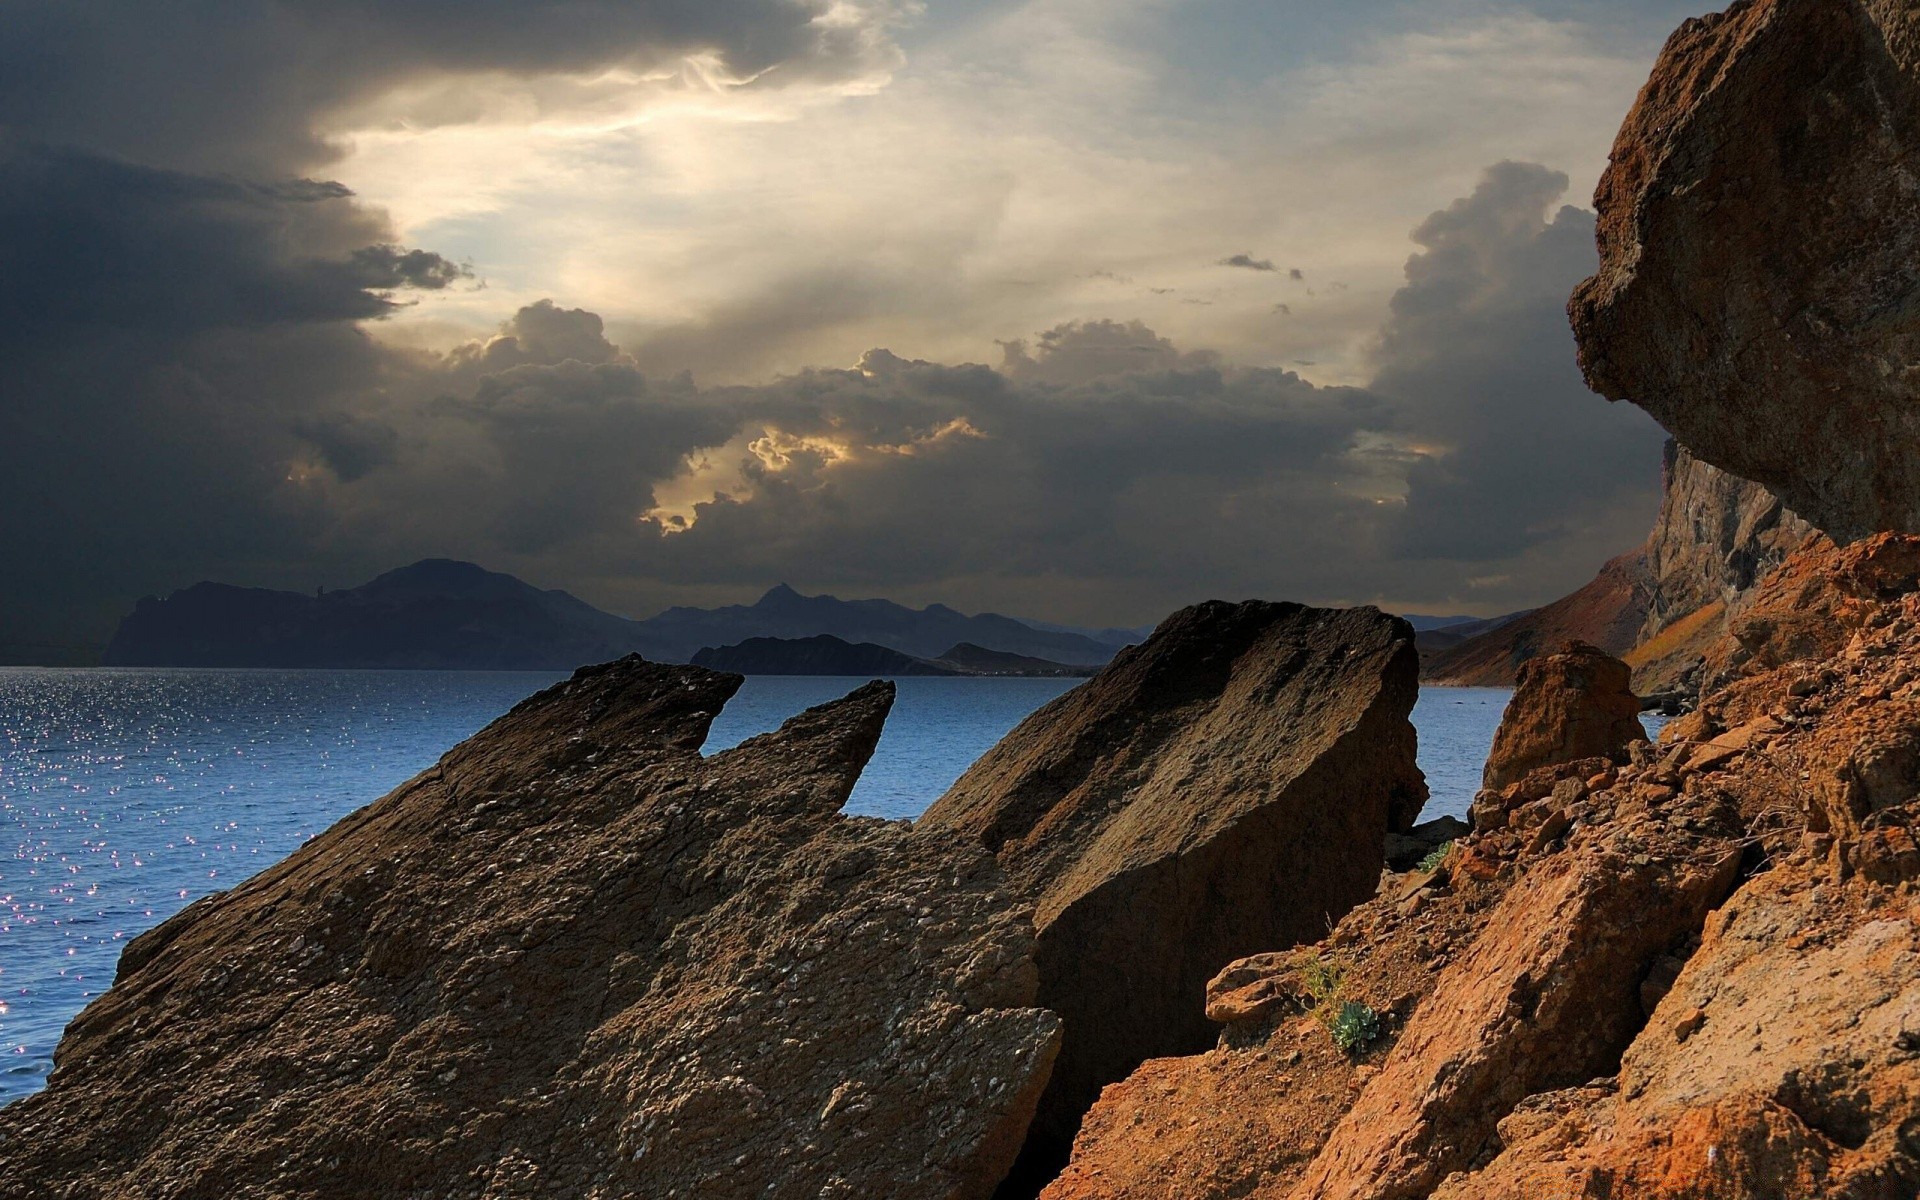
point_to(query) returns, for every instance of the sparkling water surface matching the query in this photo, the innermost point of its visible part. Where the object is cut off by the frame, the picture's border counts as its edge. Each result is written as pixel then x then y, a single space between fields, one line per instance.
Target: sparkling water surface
pixel 128 794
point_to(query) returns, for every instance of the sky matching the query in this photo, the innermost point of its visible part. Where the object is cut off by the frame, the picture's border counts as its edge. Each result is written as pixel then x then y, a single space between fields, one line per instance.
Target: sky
pixel 1075 309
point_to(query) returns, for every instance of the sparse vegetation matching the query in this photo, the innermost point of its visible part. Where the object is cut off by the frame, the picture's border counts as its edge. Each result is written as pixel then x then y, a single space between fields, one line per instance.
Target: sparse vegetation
pixel 1355 1027
pixel 1439 855
pixel 1324 979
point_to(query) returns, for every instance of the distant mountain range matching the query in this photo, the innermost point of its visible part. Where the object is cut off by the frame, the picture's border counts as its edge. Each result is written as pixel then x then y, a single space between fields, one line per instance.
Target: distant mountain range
pixel 825 654
pixel 447 615
pixel 441 614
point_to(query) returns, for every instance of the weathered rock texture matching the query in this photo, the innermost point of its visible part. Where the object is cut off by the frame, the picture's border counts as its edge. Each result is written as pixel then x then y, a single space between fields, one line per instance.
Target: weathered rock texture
pixel 1521 966
pixel 1759 287
pixel 1608 612
pixel 1717 536
pixel 1220 790
pixel 1662 608
pixel 1576 704
pixel 573 959
pixel 1695 976
pixel 1785 1059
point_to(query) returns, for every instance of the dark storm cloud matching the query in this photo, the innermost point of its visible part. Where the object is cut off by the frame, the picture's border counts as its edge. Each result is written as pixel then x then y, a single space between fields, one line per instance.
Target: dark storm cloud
pixel 91 241
pixel 184 385
pixel 1098 451
pixel 240 85
pixel 1478 354
pixel 1250 263
pixel 1096 455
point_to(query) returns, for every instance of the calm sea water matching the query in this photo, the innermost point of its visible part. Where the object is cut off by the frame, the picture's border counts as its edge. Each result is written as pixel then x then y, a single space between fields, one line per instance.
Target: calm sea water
pixel 128 794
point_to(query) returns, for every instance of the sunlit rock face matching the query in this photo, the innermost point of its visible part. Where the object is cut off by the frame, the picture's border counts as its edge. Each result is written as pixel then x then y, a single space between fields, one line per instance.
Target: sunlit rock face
pixel 1759 289
pixel 575 958
pixel 1576 704
pixel 1222 789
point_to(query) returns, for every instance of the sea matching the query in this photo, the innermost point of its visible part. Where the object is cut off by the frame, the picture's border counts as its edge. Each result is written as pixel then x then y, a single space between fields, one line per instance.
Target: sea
pixel 127 794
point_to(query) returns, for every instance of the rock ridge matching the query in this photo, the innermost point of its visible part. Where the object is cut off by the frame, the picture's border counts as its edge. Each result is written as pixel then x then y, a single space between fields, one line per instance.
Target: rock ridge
pixel 574 958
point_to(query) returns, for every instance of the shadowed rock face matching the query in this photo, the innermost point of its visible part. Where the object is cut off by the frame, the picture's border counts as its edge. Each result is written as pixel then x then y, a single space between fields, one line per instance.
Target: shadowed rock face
pixel 1575 704
pixel 575 958
pixel 1759 287
pixel 1220 790
pixel 1716 537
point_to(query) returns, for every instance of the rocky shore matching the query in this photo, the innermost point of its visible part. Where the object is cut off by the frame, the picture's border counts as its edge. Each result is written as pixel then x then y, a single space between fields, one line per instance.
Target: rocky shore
pixel 1178 936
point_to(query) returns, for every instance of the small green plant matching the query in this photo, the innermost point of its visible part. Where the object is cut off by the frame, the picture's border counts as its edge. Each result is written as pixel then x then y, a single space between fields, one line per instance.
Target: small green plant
pixel 1323 979
pixel 1439 855
pixel 1355 1027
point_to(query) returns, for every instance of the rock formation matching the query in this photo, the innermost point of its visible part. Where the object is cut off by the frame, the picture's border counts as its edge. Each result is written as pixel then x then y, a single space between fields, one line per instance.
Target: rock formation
pixel 1220 790
pixel 575 958
pixel 1784 1060
pixel 1717 536
pixel 1760 255
pixel 1663 607
pixel 1691 972
pixel 1525 964
pixel 1576 704
pixel 1716 539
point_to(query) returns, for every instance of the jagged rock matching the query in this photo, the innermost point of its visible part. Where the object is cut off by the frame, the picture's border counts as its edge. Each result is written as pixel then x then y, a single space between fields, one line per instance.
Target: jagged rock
pixel 1784 1062
pixel 1575 704
pixel 1220 790
pixel 1784 1058
pixel 1519 970
pixel 1759 286
pixel 1550 994
pixel 575 958
pixel 1809 607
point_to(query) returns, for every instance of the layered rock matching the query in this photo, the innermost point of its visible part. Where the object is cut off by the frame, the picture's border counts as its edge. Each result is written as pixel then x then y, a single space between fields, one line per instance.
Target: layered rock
pixel 1576 704
pixel 575 958
pixel 1759 286
pixel 1220 790
pixel 1567 1007
pixel 1662 608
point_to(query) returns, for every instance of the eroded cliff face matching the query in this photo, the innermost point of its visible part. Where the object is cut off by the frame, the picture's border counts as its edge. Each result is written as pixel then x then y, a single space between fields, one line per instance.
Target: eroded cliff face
pixel 1223 788
pixel 1717 536
pixel 576 958
pixel 1759 286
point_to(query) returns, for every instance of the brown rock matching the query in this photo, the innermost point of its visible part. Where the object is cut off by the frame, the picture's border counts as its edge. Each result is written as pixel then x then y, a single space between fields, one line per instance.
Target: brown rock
pixel 1716 537
pixel 1608 612
pixel 575 958
pixel 1547 997
pixel 1785 1062
pixel 1572 705
pixel 1221 790
pixel 1498 988
pixel 1760 255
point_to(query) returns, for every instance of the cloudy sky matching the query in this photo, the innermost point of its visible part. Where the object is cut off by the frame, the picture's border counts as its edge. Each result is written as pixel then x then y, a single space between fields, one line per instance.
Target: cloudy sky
pixel 1077 309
